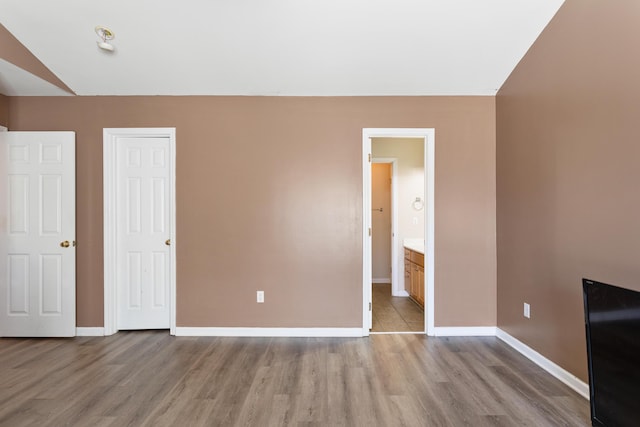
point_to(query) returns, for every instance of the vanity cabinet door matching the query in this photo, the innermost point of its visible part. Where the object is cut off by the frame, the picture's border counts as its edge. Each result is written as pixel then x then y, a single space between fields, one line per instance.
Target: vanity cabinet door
pixel 414 275
pixel 420 280
pixel 414 281
pixel 407 276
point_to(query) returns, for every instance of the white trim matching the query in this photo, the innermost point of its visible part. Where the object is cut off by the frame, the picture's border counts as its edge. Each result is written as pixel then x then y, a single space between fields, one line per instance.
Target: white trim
pixel 367 318
pixel 428 134
pixel 465 331
pixel 109 224
pixel 402 293
pixel 575 383
pixel 90 332
pixel 383 280
pixel 110 137
pixel 429 229
pixel 3 129
pixel 267 332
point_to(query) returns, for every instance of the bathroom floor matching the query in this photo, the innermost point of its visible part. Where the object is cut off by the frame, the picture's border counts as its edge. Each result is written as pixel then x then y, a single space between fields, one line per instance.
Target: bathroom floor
pixel 394 314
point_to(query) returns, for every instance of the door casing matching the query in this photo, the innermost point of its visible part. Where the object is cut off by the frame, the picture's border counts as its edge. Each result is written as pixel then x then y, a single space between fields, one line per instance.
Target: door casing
pixel 110 140
pixel 428 136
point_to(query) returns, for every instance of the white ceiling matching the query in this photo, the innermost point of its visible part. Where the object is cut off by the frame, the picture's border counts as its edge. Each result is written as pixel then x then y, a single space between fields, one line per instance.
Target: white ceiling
pixel 276 47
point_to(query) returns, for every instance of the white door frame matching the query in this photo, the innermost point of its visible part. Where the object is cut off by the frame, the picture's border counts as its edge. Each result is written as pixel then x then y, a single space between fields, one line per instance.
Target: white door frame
pixel 395 277
pixel 110 138
pixel 428 135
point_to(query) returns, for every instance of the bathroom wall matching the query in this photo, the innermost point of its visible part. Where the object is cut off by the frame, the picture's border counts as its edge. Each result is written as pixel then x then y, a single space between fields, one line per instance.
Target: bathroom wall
pixel 410 184
pixel 381 222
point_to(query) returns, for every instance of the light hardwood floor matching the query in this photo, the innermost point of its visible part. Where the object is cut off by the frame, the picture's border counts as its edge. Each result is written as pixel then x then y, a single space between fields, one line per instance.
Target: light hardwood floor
pixel 394 314
pixel 152 379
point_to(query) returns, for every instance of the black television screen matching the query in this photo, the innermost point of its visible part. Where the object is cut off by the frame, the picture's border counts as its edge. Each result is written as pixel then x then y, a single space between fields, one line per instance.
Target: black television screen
pixel 612 318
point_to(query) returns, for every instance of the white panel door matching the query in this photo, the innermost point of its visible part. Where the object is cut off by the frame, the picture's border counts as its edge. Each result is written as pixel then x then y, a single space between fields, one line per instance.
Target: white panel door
pixel 143 245
pixel 37 222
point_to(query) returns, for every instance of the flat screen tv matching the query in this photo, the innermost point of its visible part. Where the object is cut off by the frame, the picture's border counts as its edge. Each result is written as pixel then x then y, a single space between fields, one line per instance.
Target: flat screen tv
pixel 612 319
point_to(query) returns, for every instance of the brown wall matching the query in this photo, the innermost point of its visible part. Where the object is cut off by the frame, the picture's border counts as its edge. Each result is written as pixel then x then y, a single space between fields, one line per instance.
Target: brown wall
pixel 4 111
pixel 567 175
pixel 269 194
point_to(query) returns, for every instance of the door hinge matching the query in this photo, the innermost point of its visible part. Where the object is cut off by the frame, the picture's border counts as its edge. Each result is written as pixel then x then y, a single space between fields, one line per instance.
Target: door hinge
pixel 369 157
pixel 369 231
pixel 369 306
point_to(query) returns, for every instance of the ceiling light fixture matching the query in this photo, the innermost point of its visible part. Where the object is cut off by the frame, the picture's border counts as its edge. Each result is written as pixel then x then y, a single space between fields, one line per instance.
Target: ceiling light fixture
pixel 105 34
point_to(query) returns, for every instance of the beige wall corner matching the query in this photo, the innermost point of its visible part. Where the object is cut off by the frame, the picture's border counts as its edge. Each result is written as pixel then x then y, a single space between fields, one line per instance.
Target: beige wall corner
pixel 567 175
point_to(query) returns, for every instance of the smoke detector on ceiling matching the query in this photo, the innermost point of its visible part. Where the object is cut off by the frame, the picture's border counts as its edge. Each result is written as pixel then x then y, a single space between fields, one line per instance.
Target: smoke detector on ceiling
pixel 105 35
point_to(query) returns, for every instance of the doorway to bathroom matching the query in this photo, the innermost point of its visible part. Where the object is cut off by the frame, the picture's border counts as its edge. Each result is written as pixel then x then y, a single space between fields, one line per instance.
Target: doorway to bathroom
pixel 398 173
pixel 394 307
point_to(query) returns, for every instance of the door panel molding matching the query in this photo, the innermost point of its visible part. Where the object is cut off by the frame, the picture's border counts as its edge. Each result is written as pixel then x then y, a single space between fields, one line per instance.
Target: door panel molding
pixel 110 140
pixel 37 220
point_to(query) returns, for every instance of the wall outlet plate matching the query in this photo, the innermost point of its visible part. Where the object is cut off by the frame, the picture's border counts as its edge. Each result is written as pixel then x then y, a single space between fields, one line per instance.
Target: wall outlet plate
pixel 527 311
pixel 260 296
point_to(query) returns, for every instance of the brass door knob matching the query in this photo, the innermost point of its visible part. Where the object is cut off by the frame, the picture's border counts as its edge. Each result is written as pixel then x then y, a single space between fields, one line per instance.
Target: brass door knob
pixel 168 242
pixel 64 244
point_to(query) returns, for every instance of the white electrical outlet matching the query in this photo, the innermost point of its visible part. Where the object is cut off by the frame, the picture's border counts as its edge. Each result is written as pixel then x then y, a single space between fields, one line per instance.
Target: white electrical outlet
pixel 260 296
pixel 527 310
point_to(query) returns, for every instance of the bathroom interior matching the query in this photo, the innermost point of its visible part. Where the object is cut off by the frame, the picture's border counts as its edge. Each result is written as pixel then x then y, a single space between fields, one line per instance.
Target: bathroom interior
pixel 397 202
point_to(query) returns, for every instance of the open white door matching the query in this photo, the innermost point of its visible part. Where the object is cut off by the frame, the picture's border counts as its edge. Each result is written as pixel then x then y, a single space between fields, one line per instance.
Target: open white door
pixel 366 237
pixel 37 226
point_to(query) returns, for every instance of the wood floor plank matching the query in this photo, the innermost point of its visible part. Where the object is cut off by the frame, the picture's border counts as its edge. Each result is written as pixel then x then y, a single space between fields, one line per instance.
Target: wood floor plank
pixel 280 410
pixel 149 378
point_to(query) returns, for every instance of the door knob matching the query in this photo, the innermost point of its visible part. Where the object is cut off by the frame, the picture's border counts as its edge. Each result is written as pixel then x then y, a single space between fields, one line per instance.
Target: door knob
pixel 168 242
pixel 64 244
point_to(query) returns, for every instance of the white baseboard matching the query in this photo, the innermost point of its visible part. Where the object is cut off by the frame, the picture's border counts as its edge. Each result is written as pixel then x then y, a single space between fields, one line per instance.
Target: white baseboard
pixel 268 332
pixel 90 332
pixel 465 331
pixel 560 373
pixel 402 293
pixel 381 280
